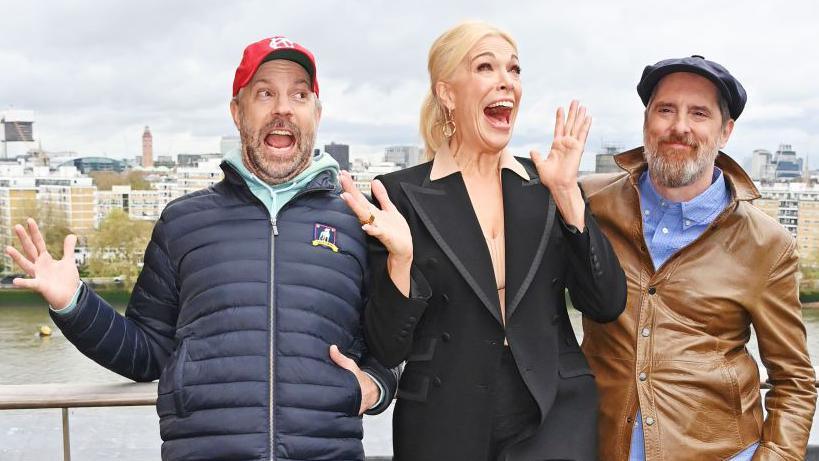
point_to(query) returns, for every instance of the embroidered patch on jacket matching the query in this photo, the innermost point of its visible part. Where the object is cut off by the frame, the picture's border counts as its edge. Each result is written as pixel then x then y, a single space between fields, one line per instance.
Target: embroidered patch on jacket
pixel 324 235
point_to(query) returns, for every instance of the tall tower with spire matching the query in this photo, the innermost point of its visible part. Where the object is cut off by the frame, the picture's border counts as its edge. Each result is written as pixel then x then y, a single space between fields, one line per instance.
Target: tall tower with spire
pixel 147 148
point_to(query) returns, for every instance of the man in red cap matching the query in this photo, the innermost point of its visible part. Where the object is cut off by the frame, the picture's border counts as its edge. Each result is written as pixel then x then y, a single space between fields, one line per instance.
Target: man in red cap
pixel 249 306
pixel 703 266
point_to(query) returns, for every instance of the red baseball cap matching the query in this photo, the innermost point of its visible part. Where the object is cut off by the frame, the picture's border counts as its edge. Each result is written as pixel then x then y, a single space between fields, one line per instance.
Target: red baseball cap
pixel 278 47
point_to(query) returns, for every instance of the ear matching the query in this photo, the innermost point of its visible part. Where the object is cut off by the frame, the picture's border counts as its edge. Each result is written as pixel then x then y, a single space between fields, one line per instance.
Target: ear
pixel 318 111
pixel 726 133
pixel 446 94
pixel 234 110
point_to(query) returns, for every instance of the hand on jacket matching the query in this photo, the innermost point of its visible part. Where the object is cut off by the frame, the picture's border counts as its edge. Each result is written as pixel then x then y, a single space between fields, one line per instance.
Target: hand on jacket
pixel 386 224
pixel 370 395
pixel 55 280
pixel 558 171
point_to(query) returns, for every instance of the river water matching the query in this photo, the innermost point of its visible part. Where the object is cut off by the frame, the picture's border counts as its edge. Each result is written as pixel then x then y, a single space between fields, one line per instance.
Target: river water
pixel 131 433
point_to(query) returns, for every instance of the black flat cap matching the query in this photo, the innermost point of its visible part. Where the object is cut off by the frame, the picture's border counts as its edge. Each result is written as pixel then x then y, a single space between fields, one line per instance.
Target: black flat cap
pixel 730 87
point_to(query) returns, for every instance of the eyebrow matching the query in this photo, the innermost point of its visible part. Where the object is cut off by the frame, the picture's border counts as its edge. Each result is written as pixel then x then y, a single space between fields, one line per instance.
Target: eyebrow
pixel 301 81
pixel 490 54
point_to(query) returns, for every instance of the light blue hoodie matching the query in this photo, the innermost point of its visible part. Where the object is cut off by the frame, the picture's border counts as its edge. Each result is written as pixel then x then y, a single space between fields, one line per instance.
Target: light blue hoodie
pixel 275 197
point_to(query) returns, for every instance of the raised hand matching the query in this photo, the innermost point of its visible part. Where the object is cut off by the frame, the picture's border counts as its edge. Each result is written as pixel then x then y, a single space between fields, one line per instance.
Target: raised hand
pixel 386 224
pixel 370 393
pixel 558 171
pixel 55 280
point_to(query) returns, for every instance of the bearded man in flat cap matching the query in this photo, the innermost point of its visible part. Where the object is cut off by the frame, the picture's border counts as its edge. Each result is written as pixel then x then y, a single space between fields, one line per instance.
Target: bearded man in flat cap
pixel 703 266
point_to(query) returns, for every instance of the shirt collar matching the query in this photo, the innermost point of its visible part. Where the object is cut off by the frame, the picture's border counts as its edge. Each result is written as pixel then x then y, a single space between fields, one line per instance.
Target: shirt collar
pixel 702 209
pixel 443 164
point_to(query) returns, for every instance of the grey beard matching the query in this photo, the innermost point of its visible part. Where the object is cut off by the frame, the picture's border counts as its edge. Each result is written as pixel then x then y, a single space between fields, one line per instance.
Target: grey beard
pixel 676 173
pixel 269 170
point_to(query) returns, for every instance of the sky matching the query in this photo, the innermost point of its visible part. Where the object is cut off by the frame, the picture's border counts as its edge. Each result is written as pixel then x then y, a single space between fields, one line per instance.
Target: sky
pixel 97 72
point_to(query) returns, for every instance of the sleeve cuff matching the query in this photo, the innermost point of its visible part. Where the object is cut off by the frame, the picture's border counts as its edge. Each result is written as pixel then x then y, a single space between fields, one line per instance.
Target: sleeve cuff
pixel 381 392
pixel 71 305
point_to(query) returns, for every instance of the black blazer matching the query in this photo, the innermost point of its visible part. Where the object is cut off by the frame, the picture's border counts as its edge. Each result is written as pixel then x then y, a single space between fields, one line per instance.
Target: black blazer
pixel 450 333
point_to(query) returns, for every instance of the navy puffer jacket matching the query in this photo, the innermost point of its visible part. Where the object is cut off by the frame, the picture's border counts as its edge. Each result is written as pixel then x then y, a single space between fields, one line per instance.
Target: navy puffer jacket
pixel 234 312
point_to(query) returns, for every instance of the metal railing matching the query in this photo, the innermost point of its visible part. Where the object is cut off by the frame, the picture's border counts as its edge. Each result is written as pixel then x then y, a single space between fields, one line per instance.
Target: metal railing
pixel 65 396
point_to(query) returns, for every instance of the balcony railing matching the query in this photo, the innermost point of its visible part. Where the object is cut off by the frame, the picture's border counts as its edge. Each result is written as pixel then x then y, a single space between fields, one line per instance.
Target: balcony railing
pixel 65 396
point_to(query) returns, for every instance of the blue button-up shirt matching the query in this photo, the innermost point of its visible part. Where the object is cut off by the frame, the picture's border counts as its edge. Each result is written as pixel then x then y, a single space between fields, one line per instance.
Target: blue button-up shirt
pixel 667 228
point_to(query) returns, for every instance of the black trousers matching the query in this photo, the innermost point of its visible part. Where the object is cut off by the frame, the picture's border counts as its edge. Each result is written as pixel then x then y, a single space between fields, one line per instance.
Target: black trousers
pixel 513 408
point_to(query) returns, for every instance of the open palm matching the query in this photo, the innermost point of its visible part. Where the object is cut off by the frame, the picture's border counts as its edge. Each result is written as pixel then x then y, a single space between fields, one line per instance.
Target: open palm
pixel 387 224
pixel 558 171
pixel 55 279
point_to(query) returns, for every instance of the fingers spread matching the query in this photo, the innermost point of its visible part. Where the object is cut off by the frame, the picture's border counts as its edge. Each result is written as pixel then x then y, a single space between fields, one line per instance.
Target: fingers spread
pixel 584 130
pixel 578 122
pixel 559 123
pixel 68 247
pixel 20 260
pixel 30 284
pixel 380 194
pixel 571 118
pixel 36 236
pixel 25 241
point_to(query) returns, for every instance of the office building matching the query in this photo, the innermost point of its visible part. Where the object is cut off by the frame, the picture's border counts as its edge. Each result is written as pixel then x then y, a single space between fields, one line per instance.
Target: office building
pixel 340 152
pixel 16 133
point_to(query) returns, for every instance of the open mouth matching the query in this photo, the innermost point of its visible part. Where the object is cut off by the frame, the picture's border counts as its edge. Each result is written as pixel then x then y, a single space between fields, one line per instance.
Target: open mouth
pixel 280 139
pixel 499 113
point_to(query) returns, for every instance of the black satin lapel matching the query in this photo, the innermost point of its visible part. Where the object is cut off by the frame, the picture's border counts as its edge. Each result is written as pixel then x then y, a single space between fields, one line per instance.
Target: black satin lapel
pixel 529 215
pixel 446 211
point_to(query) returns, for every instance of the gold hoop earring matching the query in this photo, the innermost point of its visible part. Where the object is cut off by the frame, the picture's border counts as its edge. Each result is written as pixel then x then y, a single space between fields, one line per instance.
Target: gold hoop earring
pixel 449 124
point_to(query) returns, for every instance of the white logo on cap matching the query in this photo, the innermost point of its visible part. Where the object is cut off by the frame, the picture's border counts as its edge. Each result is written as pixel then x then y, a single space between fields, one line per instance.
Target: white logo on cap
pixel 281 42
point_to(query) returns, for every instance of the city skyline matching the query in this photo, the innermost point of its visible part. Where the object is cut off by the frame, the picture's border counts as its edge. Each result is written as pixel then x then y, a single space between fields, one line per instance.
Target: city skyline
pixel 95 74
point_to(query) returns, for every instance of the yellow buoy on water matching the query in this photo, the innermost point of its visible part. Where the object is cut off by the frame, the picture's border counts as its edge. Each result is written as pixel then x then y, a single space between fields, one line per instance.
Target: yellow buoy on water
pixel 45 330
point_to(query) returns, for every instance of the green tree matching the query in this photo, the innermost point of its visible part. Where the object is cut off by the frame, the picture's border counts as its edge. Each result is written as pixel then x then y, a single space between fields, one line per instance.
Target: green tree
pixel 105 179
pixel 53 224
pixel 116 248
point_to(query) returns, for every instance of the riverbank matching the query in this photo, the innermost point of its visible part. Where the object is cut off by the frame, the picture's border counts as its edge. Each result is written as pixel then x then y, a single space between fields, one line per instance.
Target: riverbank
pixel 18 297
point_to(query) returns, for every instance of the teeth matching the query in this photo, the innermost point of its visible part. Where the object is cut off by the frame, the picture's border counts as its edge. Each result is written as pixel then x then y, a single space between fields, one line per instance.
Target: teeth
pixel 508 104
pixel 281 132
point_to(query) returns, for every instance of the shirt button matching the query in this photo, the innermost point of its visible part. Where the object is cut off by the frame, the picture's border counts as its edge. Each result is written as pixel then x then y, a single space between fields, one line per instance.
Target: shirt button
pixel 687 222
pixel 647 212
pixel 646 332
pixel 651 290
pixel 649 421
pixel 665 230
pixel 643 376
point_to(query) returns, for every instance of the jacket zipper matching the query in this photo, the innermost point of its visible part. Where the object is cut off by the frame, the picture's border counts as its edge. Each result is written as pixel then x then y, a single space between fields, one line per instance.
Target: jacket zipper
pixel 274 231
pixel 272 383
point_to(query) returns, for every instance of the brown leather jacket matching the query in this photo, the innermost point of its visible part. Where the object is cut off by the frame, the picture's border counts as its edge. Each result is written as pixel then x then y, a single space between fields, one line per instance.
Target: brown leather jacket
pixel 678 350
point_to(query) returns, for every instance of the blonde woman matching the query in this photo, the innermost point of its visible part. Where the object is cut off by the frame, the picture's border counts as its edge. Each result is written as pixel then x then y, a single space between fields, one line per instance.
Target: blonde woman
pixel 471 256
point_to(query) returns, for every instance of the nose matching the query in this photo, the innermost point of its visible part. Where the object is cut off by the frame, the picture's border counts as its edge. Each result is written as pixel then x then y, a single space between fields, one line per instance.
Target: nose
pixel 282 106
pixel 506 81
pixel 681 124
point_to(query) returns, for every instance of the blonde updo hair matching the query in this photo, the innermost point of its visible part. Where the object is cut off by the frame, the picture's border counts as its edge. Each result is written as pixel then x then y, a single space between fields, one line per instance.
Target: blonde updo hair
pixel 446 54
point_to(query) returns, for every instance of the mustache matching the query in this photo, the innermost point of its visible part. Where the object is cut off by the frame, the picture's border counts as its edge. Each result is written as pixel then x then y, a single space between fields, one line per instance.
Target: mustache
pixel 278 123
pixel 687 139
